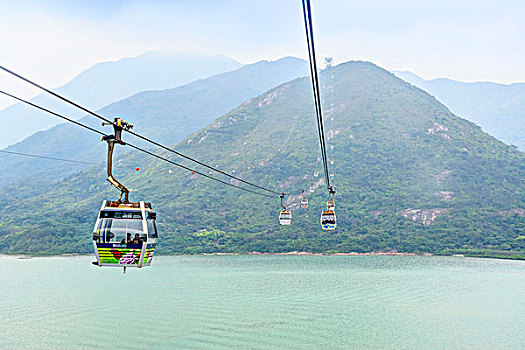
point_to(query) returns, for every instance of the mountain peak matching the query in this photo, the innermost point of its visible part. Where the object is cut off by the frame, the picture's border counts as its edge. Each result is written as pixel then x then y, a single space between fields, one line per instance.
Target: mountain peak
pixel 410 175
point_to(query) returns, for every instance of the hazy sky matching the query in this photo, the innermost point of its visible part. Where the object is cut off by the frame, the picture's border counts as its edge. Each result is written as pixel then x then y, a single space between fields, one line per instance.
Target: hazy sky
pixel 51 41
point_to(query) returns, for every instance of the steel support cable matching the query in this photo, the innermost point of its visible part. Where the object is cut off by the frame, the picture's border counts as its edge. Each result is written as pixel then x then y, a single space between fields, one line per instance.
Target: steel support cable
pixel 314 65
pixel 196 171
pixel 315 87
pixel 135 134
pixel 51 112
pixel 312 70
pixel 315 84
pixel 133 146
pixel 45 157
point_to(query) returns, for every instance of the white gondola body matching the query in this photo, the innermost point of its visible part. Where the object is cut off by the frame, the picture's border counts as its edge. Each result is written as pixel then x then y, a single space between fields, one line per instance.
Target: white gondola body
pixel 328 220
pixel 304 203
pixel 285 217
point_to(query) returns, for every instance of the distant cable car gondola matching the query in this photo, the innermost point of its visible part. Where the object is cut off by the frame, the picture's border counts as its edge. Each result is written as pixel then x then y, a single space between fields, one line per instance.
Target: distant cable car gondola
pixel 285 216
pixel 304 203
pixel 304 200
pixel 125 233
pixel 328 220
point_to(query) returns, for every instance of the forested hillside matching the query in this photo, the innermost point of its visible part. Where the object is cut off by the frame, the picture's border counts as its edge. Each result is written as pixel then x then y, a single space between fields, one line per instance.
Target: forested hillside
pixel 166 115
pixel 410 176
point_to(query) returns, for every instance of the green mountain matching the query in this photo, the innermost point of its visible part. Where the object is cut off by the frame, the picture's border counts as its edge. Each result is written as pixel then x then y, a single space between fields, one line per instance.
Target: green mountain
pixel 167 116
pixel 499 109
pixel 111 81
pixel 410 176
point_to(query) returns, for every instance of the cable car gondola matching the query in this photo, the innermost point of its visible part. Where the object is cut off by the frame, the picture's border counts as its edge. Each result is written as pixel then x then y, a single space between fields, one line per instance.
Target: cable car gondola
pixel 125 233
pixel 285 216
pixel 304 201
pixel 328 220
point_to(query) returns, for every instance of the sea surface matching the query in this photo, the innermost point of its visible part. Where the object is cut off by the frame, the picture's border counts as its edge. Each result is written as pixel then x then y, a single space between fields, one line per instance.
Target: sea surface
pixel 264 302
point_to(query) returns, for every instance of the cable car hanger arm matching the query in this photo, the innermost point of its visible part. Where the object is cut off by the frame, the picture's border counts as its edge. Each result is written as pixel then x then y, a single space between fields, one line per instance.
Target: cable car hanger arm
pixel 116 138
pixel 282 197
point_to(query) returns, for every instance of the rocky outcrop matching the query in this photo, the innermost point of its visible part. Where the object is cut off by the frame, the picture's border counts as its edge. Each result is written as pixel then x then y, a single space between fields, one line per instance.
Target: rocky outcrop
pixel 444 194
pixel 423 216
pixel 270 97
pixel 436 128
pixel 441 176
pixel 516 211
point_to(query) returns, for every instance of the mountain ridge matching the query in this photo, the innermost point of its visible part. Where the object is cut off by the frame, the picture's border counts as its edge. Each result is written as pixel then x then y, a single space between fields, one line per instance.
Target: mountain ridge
pixel 110 81
pixel 497 108
pixel 410 176
pixel 165 115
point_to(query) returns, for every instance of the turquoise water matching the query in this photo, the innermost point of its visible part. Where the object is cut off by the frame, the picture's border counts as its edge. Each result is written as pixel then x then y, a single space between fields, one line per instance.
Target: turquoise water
pixel 264 302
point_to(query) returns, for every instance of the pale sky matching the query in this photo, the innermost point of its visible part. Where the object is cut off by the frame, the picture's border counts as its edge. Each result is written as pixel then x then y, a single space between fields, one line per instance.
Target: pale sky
pixel 52 41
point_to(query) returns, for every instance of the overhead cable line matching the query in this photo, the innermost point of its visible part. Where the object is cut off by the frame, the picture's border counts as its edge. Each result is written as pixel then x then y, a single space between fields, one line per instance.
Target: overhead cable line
pixel 307 14
pixel 53 113
pixel 135 147
pixel 46 157
pixel 135 134
pixel 313 68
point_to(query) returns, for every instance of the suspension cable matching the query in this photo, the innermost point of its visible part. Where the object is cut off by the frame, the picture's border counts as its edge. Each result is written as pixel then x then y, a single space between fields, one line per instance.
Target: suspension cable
pixel 307 14
pixel 136 134
pixel 46 157
pixel 312 75
pixel 135 147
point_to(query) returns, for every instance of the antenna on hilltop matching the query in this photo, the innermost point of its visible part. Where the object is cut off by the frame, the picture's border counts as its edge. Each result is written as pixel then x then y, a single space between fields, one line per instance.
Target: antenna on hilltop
pixel 328 61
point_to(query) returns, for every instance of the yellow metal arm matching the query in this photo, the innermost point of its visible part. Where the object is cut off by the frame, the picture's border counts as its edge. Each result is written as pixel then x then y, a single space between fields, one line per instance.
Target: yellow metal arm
pixel 118 126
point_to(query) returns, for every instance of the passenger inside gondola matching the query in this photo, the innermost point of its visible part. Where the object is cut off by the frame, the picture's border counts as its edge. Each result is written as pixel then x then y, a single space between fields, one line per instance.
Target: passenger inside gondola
pixel 127 239
pixel 328 219
pixel 120 227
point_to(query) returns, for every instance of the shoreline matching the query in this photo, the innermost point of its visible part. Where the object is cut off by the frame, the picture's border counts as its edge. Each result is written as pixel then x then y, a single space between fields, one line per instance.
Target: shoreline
pixel 292 253
pixel 393 253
